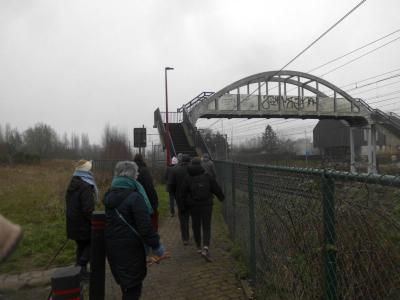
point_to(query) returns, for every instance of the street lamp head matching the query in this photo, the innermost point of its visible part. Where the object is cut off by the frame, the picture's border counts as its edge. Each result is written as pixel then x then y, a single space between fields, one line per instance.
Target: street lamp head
pixel 168 68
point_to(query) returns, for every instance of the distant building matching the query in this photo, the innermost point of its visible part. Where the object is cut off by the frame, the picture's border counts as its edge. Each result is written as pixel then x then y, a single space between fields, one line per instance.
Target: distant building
pixel 332 139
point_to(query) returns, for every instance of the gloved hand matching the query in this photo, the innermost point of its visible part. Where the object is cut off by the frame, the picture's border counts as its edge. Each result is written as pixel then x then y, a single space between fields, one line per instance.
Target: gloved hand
pixel 160 251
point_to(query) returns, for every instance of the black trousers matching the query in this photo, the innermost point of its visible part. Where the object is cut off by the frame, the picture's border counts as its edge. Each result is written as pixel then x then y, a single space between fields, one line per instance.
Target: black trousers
pixel 82 252
pixel 201 221
pixel 172 203
pixel 184 224
pixel 132 293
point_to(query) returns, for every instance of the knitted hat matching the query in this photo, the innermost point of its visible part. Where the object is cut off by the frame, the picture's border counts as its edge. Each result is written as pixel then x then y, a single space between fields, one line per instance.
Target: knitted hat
pixel 83 165
pixel 174 161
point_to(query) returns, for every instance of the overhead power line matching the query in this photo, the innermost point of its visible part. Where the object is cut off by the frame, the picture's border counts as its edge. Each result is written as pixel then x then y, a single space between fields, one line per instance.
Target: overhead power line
pixel 322 35
pixel 308 47
pixel 358 57
pixel 353 51
pixel 305 49
pixel 369 78
pixel 376 87
pixel 384 100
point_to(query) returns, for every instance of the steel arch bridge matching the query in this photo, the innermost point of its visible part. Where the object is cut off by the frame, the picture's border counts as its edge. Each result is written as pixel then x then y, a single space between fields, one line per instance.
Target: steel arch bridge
pixel 280 94
pixel 295 95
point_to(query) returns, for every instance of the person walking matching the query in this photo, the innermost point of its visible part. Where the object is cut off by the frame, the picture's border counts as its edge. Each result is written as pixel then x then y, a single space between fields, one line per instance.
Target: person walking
pixel 176 179
pixel 208 166
pixel 81 195
pixel 170 191
pixel 146 181
pixel 197 193
pixel 129 232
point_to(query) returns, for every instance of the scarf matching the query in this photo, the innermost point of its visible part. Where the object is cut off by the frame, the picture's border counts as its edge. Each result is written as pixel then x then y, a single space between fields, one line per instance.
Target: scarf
pixel 88 178
pixel 124 182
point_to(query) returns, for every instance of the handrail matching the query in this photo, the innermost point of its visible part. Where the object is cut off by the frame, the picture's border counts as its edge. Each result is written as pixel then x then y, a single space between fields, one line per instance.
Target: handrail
pixel 173 117
pixel 158 123
pixel 198 138
pixel 199 98
pixel 172 143
pixel 392 114
pixel 365 104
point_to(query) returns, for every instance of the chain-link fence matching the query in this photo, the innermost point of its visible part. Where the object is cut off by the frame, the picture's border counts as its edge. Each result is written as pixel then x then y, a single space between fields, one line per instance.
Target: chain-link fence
pixel 315 234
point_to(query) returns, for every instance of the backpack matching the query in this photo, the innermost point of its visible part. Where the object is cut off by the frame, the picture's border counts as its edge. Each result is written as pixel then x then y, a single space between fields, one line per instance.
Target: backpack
pixel 200 188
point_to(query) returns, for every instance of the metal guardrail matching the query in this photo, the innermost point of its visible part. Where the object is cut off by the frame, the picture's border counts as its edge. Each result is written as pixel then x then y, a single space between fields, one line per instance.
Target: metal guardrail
pixel 312 233
pixel 173 152
pixel 173 117
pixel 158 123
pixel 196 135
pixel 199 98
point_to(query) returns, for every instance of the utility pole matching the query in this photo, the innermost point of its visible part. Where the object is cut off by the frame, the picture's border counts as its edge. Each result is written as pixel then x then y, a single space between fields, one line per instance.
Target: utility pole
pixel 167 135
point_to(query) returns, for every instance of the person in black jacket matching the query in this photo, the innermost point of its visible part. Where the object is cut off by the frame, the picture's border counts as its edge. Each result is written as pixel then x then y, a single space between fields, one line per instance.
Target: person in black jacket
pixel 129 232
pixel 197 193
pixel 80 202
pixel 175 182
pixel 146 181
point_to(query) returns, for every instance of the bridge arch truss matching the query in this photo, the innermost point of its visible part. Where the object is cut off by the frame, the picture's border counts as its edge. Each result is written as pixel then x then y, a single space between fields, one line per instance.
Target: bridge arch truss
pixel 281 94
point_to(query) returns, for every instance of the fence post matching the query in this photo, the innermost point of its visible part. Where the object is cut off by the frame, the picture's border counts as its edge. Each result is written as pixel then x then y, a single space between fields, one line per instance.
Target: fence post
pixel 97 257
pixel 330 280
pixel 233 201
pixel 252 224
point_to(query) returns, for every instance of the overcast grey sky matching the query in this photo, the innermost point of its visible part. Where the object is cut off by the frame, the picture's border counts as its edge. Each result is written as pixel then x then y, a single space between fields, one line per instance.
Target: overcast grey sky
pixel 77 65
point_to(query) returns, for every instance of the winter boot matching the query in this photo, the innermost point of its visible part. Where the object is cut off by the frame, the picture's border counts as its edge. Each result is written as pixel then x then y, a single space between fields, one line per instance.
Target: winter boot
pixel 10 235
pixel 206 254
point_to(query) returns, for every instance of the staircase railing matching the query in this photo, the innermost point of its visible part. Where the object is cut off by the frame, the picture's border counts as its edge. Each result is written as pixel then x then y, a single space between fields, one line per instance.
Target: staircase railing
pixel 159 124
pixel 195 134
pixel 173 117
pixel 365 104
pixel 389 119
pixel 172 145
pixel 199 98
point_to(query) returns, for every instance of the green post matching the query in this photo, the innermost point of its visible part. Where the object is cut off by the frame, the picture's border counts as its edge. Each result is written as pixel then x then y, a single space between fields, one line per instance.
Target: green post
pixel 252 223
pixel 233 202
pixel 328 190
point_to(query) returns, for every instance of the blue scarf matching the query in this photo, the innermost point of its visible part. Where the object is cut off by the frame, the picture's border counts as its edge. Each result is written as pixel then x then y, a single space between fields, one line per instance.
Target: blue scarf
pixel 88 178
pixel 124 182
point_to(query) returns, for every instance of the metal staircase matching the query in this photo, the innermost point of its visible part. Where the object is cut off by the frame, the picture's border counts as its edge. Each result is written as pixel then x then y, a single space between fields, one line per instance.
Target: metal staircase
pixel 180 141
pixel 390 121
pixel 183 135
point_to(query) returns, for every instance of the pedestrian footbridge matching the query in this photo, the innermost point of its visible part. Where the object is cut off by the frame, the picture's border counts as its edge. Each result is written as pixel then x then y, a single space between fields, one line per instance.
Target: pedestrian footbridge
pixel 275 94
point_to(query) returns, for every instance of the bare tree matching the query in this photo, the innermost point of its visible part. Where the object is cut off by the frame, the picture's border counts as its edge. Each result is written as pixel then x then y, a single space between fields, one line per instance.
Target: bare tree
pixel 115 144
pixel 41 140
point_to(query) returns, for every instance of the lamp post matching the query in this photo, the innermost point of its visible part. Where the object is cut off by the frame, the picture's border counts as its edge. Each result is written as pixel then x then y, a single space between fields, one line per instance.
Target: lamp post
pixel 167 135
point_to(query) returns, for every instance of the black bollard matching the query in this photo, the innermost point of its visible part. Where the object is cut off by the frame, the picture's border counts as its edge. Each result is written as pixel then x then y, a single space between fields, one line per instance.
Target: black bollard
pixel 65 284
pixel 97 257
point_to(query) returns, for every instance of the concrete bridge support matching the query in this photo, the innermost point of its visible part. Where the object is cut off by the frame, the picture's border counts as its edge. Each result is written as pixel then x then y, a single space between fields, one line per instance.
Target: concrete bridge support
pixel 372 149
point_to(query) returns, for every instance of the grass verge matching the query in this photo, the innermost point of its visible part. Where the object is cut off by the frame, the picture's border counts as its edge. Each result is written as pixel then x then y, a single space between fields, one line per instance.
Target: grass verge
pixel 33 196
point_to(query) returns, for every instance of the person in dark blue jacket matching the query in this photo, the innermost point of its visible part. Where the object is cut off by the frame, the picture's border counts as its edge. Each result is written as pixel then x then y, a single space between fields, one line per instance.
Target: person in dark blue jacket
pixel 129 232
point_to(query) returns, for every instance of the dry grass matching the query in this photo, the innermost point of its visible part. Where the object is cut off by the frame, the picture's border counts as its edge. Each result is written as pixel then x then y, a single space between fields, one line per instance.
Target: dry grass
pixel 33 196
